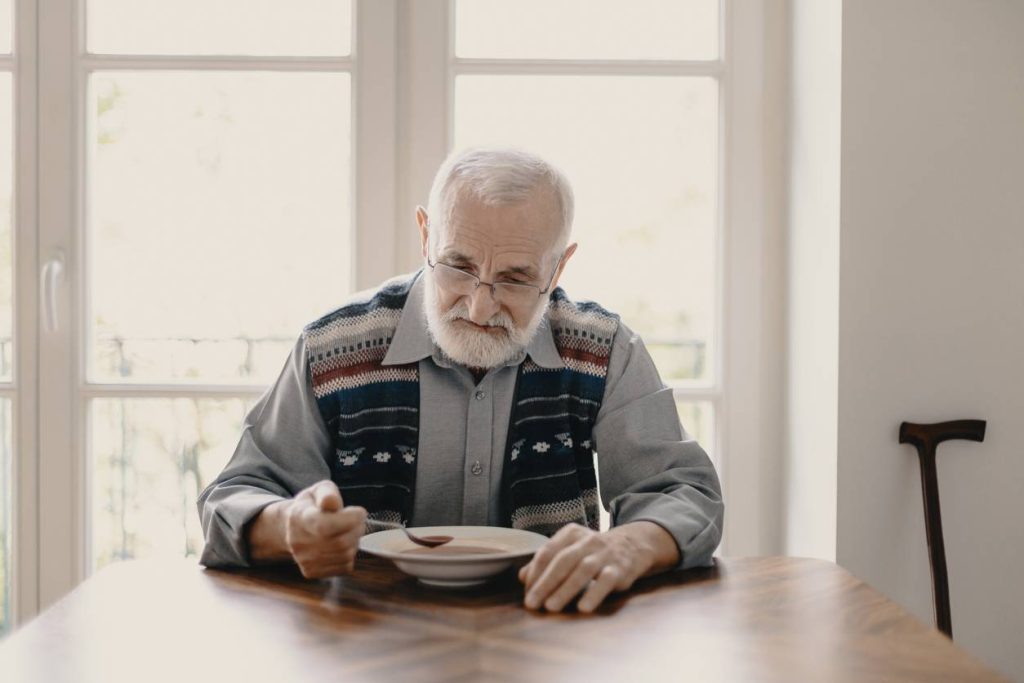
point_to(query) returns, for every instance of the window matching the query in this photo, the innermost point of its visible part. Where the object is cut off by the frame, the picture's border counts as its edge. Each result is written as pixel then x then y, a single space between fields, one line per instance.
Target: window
pixel 200 201
pixel 218 174
pixel 217 224
pixel 640 143
pixel 7 347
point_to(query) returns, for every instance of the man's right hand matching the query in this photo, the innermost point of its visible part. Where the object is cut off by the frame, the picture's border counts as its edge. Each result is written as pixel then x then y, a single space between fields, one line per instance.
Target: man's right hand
pixel 313 528
pixel 321 534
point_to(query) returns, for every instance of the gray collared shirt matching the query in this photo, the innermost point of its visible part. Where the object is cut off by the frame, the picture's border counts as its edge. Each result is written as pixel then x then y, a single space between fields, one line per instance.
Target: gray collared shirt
pixel 648 467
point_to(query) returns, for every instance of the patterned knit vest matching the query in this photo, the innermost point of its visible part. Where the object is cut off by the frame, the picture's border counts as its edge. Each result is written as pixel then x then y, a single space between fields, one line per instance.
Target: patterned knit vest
pixel 372 413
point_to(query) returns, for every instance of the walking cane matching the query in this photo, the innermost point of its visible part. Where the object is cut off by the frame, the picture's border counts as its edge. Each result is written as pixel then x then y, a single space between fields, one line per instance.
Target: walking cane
pixel 926 438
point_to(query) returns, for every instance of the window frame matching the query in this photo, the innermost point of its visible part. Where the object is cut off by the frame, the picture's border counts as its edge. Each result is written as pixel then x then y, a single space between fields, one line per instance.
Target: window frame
pixel 743 315
pixel 53 534
pixel 402 68
pixel 23 387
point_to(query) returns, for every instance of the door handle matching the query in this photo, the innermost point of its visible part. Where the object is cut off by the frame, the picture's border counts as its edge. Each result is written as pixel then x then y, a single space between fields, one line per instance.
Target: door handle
pixel 51 278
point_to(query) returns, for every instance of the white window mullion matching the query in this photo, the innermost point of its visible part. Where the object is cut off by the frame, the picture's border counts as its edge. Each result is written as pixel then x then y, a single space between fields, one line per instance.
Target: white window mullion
pixel 588 67
pixel 243 391
pixel 374 102
pixel 424 128
pixel 743 423
pixel 214 63
pixel 696 394
pixel 59 469
pixel 25 543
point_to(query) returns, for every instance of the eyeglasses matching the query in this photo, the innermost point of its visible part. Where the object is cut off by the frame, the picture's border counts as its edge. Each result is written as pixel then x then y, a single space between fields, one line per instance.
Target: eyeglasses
pixel 460 282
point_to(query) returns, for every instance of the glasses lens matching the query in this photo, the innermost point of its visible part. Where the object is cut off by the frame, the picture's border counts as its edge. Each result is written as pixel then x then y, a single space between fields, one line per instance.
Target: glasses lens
pixel 454 280
pixel 516 295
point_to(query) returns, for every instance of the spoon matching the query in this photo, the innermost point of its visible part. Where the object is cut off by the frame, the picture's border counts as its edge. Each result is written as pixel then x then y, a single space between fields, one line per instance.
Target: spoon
pixel 427 541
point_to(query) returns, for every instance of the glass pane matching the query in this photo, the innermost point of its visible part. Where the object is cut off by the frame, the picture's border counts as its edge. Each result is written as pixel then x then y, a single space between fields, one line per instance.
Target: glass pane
pixel 6 26
pixel 642 155
pixel 150 460
pixel 6 514
pixel 698 421
pixel 6 214
pixel 219 220
pixel 587 29
pixel 219 27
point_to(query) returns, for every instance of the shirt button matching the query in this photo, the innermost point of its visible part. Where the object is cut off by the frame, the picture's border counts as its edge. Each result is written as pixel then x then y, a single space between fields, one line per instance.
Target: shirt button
pixel 477 468
pixel 480 395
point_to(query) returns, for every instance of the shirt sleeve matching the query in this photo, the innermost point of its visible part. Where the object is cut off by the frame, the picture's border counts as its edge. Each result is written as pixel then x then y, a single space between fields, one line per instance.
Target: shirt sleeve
pixel 283 448
pixel 649 468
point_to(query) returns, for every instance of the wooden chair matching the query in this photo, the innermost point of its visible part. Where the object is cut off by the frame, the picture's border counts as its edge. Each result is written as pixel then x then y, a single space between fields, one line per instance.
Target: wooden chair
pixel 926 438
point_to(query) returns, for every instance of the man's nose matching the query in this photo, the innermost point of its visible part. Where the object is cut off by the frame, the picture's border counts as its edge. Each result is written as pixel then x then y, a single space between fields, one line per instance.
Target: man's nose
pixel 482 305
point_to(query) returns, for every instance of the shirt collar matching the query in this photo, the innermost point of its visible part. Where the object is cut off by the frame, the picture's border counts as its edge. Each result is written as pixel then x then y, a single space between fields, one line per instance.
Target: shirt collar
pixel 411 341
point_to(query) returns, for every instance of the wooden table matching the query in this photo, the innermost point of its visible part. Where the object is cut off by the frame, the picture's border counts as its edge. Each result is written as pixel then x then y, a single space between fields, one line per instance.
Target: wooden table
pixel 751 619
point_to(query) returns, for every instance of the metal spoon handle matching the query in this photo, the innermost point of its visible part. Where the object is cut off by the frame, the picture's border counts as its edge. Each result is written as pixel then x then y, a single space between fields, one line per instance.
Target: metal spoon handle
pixel 428 541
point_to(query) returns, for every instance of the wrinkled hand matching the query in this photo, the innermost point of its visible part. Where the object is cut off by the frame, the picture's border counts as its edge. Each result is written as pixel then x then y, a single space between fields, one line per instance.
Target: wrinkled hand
pixel 321 534
pixel 577 559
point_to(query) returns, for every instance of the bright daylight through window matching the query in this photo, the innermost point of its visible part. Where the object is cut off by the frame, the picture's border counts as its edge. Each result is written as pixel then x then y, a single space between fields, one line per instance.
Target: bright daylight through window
pixel 218 225
pixel 219 188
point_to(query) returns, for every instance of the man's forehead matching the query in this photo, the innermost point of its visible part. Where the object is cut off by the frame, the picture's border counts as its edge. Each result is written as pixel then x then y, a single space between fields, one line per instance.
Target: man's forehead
pixel 470 239
pixel 516 228
pixel 540 208
pixel 507 261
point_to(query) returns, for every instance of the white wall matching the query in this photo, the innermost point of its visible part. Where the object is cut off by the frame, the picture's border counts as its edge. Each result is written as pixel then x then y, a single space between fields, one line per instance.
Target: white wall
pixel 809 498
pixel 931 318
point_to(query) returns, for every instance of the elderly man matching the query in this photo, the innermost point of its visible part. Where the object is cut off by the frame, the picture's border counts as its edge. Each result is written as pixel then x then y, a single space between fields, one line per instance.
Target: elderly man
pixel 473 392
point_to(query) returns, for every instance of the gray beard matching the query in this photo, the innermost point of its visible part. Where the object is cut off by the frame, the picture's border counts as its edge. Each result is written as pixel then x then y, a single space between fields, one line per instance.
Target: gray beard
pixel 469 347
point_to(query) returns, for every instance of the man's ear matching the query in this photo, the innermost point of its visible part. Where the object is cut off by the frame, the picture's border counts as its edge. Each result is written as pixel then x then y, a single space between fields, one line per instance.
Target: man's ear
pixel 421 221
pixel 566 255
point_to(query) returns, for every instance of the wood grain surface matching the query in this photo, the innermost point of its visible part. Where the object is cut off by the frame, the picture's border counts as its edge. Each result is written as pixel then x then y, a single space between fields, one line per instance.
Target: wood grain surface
pixel 746 619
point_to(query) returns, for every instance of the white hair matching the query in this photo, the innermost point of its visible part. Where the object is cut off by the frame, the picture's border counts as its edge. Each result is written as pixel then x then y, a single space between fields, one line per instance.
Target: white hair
pixel 499 176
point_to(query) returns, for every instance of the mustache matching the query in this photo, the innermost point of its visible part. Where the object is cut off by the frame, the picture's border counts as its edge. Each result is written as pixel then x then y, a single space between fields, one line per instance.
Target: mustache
pixel 460 311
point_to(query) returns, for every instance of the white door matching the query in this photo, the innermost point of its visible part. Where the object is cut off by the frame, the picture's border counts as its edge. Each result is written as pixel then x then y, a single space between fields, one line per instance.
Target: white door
pixel 198 161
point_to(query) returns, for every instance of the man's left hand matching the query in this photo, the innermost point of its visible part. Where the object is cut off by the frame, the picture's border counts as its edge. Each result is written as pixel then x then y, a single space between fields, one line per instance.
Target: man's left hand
pixel 577 559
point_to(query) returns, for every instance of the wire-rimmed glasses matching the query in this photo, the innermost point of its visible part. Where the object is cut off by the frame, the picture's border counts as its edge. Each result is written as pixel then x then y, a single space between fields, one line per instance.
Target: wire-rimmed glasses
pixel 463 283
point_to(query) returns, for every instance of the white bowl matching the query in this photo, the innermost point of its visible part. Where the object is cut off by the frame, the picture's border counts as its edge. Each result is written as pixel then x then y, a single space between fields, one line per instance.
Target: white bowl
pixel 488 550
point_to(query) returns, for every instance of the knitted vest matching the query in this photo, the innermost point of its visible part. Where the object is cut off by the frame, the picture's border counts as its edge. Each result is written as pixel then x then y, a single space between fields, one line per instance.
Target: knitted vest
pixel 372 413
